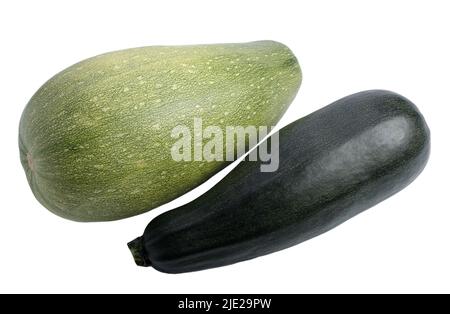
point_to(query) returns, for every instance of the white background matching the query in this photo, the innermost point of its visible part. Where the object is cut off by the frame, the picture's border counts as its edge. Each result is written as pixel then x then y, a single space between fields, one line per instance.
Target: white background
pixel 401 245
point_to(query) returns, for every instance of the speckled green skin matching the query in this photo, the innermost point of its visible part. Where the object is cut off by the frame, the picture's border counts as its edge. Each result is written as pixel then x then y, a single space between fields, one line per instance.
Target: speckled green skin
pixel 95 139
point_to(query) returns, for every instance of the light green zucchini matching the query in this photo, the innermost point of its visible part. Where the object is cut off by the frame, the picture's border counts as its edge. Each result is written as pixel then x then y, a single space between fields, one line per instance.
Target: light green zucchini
pixel 95 140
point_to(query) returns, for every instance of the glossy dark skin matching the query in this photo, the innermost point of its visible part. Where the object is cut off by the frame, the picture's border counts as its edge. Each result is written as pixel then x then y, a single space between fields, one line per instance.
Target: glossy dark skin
pixel 334 164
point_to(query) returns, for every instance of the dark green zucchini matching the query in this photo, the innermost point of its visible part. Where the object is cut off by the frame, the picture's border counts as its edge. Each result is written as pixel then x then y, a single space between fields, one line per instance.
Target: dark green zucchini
pixel 334 164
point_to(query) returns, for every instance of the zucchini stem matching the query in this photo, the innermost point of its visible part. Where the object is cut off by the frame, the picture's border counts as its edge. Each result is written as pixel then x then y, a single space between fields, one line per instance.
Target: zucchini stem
pixel 137 250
